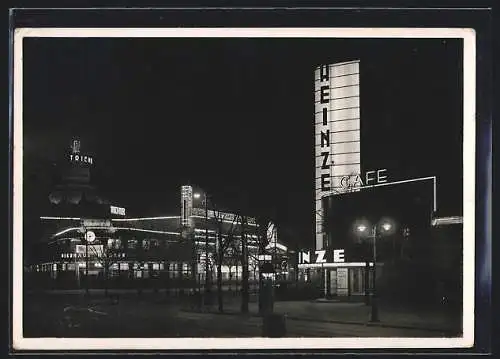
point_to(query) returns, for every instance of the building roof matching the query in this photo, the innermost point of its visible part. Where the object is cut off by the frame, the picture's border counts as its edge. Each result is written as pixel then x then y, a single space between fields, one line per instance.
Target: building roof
pixel 446 221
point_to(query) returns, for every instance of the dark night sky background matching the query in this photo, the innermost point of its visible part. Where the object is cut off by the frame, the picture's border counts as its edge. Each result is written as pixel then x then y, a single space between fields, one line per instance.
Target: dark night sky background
pixel 235 115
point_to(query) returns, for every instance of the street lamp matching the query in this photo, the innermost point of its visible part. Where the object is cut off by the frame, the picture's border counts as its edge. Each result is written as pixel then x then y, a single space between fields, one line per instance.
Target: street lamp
pixel 89 238
pixel 362 228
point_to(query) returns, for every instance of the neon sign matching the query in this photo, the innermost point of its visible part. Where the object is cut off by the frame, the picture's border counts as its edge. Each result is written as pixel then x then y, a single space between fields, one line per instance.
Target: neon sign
pixel 78 158
pixel 117 210
pixel 370 178
pixel 320 256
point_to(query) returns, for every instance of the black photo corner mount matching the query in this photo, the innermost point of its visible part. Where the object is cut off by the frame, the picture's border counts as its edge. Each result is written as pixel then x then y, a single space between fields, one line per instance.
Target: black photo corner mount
pixel 478 17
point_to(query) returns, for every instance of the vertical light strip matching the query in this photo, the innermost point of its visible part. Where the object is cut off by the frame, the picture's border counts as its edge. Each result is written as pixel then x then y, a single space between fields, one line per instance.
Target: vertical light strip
pixel 345 104
pixel 469 196
pixel 337 142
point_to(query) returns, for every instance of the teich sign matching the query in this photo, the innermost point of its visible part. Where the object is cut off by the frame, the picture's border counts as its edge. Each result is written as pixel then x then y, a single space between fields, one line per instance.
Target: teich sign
pixel 77 157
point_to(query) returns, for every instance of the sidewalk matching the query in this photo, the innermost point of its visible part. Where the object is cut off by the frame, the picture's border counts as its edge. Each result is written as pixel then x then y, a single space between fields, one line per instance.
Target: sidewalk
pixel 354 313
pixel 72 316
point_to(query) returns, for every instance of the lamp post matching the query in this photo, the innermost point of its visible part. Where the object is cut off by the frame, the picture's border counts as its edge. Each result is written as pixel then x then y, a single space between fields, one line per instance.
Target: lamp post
pixel 89 237
pixel 362 228
pixel 86 262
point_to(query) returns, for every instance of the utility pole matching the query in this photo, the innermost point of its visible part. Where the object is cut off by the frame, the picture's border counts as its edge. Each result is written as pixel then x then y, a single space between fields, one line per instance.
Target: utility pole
pixel 374 312
pixel 244 267
pixel 86 262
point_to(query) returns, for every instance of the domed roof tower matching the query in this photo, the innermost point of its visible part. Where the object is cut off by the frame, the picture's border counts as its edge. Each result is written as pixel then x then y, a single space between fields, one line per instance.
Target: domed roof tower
pixel 74 194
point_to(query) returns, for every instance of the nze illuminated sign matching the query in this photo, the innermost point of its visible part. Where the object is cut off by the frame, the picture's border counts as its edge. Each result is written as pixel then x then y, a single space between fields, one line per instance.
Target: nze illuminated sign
pixel 320 256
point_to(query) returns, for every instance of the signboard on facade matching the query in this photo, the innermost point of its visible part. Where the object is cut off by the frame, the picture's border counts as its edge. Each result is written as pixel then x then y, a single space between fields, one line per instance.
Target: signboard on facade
pixel 95 250
pixel 337 131
pixel 76 157
pixel 90 223
pixel 368 179
pixel 90 236
pixel 322 256
pixel 342 281
pixel 229 217
pixel 117 210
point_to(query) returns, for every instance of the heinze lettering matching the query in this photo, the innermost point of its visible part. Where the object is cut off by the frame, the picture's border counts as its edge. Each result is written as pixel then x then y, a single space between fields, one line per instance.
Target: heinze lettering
pixel 322 256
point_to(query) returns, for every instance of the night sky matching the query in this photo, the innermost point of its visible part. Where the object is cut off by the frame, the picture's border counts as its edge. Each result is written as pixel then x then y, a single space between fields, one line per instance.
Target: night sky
pixel 235 116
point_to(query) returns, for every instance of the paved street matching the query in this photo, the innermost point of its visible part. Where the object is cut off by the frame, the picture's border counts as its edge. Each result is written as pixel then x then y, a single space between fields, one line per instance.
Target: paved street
pixel 153 315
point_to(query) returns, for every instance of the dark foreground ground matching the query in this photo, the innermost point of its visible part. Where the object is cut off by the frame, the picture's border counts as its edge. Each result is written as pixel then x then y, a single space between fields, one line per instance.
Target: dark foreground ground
pixel 71 314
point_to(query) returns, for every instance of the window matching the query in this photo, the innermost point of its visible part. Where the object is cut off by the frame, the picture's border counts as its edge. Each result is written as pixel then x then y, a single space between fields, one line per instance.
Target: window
pixel 132 244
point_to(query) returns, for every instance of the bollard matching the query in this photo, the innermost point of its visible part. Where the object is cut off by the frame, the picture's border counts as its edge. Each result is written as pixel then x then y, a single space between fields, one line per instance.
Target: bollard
pixel 274 325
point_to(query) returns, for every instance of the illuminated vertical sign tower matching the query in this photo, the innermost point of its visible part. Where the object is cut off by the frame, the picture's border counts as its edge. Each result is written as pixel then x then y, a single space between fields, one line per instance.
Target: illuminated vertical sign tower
pixel 186 205
pixel 337 132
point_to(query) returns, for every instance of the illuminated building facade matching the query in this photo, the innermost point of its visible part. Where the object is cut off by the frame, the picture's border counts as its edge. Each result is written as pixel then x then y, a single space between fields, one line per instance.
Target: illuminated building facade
pixel 346 191
pixel 87 240
pixel 204 223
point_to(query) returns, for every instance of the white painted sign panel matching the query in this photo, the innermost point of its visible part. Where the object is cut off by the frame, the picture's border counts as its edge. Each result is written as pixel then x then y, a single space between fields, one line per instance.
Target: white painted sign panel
pixel 342 281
